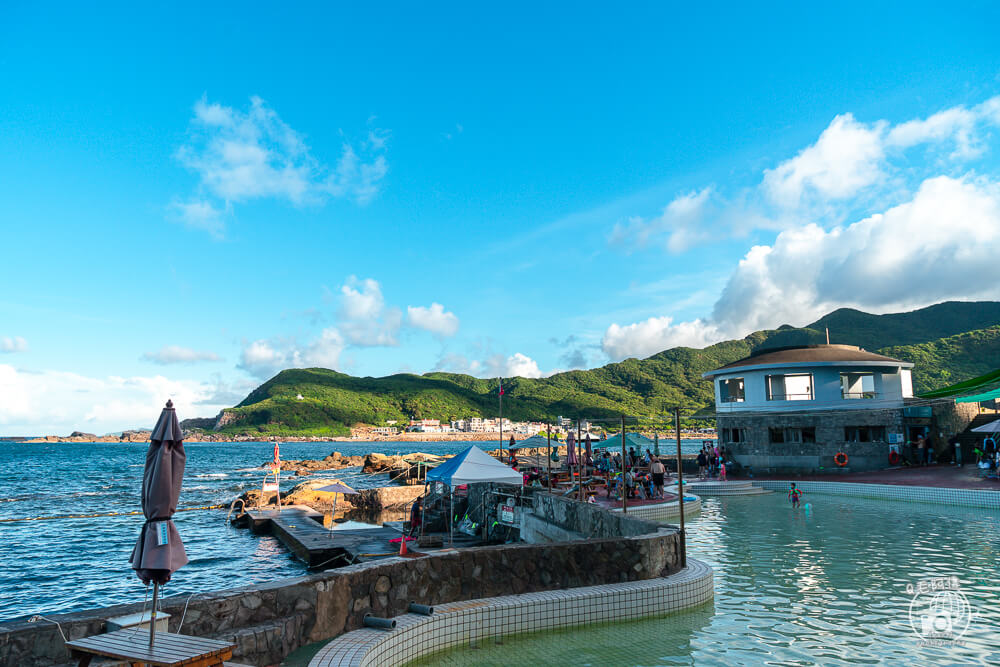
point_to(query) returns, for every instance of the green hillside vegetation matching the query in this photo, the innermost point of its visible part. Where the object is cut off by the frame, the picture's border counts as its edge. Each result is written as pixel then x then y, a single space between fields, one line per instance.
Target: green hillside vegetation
pixel 333 401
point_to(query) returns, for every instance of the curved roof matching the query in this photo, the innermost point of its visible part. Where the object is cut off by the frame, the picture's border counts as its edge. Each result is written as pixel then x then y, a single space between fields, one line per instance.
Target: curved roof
pixel 805 355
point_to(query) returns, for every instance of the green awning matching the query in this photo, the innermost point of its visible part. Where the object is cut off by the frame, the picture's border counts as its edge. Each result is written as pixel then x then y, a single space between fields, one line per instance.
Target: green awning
pixel 960 388
pixel 979 398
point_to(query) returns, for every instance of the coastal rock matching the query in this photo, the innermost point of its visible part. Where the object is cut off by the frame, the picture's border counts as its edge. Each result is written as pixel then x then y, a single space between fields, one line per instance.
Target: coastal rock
pixel 334 461
pixel 376 463
pixel 304 494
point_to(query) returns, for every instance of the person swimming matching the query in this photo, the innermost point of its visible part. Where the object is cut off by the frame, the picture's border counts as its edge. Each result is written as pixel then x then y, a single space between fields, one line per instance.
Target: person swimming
pixel 794 494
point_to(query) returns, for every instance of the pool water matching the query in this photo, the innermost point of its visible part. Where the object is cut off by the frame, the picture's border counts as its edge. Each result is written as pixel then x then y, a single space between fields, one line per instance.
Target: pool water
pixel 824 585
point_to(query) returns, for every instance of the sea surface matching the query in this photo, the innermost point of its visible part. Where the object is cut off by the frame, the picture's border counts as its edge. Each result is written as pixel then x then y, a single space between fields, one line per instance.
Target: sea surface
pixel 58 565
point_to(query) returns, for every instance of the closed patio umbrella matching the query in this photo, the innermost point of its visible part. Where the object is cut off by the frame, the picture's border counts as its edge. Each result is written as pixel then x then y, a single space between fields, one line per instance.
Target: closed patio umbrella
pixel 159 551
pixel 571 449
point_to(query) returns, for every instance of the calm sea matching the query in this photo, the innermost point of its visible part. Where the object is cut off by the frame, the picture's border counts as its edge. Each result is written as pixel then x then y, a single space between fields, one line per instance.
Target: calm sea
pixel 61 565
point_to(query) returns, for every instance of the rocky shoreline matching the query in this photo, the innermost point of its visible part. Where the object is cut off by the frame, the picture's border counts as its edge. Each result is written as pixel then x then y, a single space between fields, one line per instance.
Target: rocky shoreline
pixel 200 436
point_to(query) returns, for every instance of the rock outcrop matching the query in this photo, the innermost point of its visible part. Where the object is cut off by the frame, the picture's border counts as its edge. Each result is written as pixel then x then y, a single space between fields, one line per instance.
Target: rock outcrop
pixel 334 461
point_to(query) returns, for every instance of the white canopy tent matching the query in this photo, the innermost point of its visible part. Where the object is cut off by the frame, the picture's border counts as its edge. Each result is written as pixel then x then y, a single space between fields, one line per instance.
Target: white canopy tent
pixel 471 466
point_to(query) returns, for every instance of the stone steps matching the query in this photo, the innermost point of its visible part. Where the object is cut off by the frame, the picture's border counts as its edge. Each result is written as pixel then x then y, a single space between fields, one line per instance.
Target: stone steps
pixel 717 488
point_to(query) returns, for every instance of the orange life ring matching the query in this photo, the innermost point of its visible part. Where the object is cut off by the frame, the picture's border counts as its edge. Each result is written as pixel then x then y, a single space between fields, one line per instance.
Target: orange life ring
pixel 894 458
pixel 840 458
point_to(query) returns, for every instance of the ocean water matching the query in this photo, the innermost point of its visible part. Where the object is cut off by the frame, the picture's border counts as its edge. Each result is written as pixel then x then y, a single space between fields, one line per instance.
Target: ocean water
pixel 61 565
pixel 826 586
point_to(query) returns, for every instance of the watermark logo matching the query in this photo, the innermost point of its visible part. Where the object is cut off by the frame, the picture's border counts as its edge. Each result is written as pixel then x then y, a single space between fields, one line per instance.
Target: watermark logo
pixel 939 611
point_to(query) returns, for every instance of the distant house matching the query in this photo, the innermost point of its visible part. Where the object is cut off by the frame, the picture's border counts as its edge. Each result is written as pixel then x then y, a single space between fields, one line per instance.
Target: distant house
pixel 794 409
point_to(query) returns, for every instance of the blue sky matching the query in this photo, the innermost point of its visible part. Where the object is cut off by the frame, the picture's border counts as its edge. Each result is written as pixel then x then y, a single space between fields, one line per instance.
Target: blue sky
pixel 194 197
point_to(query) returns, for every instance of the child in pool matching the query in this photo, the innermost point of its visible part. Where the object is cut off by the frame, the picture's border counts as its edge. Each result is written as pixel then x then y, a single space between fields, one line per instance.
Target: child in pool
pixel 794 494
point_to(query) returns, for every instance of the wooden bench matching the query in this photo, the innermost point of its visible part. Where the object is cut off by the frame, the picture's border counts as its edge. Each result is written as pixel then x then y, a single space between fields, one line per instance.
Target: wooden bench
pixel 169 650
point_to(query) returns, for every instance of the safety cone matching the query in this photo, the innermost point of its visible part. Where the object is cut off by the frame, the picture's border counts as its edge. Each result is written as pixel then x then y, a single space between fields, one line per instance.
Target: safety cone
pixel 402 546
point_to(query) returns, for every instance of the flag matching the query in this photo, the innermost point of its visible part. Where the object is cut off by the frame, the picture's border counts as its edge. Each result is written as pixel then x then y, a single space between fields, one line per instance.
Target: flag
pixel 501 386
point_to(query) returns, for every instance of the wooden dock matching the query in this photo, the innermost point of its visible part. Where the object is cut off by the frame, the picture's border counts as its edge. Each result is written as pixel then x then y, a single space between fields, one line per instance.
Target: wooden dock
pixel 300 529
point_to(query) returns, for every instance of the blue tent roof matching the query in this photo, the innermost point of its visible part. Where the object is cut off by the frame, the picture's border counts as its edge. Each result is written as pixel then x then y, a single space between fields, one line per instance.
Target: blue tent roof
pixel 473 465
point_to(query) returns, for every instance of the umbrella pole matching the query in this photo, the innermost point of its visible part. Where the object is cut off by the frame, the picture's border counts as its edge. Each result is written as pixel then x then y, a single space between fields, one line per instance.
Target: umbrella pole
pixel 451 515
pixel 548 458
pixel 152 615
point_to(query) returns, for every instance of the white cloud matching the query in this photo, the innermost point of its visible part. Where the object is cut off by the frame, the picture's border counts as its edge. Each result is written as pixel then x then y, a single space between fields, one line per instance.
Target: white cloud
pixel 55 402
pixel 175 354
pixel 852 167
pixel 845 159
pixel 11 344
pixel 516 365
pixel 201 214
pixel 680 222
pixel 941 245
pixel 364 317
pixel 266 357
pixel 646 338
pixel 458 363
pixel 244 155
pixel 434 319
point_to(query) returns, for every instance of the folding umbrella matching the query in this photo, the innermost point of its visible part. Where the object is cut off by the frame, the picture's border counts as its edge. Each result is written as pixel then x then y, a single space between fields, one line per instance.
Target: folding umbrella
pixel 159 551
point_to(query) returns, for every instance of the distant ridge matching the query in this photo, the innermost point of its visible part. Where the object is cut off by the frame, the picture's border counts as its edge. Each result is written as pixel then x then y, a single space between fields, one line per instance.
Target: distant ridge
pixel 948 342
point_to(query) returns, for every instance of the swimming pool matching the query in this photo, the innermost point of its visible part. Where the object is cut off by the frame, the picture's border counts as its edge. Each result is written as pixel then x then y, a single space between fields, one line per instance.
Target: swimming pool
pixel 825 584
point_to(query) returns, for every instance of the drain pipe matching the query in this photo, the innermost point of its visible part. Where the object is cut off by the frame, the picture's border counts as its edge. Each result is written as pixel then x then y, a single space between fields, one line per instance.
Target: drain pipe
pixel 422 609
pixel 380 623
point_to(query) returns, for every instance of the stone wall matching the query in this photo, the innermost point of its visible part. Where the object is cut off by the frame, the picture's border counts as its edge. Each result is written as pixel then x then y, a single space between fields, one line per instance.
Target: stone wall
pixel 766 457
pixel 270 620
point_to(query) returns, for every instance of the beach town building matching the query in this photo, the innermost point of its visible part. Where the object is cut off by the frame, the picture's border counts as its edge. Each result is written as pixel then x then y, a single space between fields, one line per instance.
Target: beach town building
pixel 795 409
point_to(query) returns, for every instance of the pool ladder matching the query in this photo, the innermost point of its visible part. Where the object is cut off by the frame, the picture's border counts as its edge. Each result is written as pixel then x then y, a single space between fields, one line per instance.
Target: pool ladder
pixel 232 508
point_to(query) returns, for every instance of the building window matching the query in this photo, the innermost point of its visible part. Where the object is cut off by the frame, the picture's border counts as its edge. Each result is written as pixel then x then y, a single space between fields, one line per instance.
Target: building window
pixel 857 385
pixel 793 387
pixel 864 433
pixel 734 435
pixel 805 434
pixel 731 391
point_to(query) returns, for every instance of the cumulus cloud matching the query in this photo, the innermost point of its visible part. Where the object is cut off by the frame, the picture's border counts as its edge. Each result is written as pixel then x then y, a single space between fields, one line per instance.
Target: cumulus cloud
pixel 679 223
pixel 516 365
pixel 844 160
pixel 434 319
pixel 940 245
pixel 265 357
pixel 55 402
pixel 245 155
pixel 175 354
pixel 643 339
pixel 458 363
pixel 364 317
pixel 853 166
pixel 11 344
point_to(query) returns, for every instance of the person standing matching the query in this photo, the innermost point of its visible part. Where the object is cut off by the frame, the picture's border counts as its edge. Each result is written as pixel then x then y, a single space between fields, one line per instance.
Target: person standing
pixel 956 446
pixel 702 463
pixel 416 515
pixel 921 450
pixel 929 443
pixel 658 471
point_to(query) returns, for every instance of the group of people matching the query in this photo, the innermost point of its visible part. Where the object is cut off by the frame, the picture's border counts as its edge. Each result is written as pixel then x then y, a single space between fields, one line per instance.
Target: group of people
pixel 712 461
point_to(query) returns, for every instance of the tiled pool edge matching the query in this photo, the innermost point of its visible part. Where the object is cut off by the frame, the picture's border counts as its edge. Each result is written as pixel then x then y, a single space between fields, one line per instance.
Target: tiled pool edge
pixel 981 498
pixel 458 623
pixel 663 511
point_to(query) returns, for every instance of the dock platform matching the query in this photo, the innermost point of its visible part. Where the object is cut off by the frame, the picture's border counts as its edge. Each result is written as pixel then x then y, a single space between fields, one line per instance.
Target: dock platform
pixel 300 529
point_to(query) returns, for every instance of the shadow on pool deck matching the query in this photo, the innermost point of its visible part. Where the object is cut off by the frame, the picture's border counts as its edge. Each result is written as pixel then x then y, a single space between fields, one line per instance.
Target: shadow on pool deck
pixel 941 475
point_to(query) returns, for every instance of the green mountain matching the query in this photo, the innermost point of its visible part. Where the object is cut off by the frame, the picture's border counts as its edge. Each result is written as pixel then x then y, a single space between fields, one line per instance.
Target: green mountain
pixel 948 342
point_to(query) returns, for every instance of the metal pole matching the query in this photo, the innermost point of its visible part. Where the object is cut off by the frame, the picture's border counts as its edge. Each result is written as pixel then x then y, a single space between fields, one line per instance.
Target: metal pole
pixel 501 420
pixel 624 490
pixel 548 458
pixel 152 615
pixel 680 486
pixel 579 458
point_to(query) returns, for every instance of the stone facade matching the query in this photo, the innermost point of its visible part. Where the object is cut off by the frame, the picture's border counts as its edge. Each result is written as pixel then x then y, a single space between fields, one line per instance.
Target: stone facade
pixel 760 454
pixel 270 620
